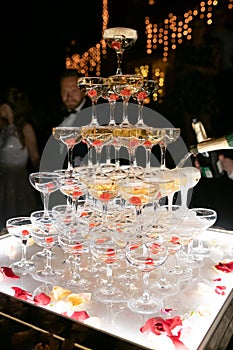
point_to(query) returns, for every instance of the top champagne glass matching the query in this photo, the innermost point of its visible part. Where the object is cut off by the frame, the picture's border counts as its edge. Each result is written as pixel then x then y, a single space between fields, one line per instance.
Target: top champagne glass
pixel 119 39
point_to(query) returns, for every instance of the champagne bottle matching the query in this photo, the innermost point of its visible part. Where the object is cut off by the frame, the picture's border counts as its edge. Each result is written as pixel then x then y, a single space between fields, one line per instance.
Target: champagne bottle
pixel 208 158
pixel 213 144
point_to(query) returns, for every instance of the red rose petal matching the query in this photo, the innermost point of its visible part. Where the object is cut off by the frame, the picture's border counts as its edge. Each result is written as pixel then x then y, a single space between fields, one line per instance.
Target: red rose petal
pixel 8 272
pixel 225 266
pixel 21 293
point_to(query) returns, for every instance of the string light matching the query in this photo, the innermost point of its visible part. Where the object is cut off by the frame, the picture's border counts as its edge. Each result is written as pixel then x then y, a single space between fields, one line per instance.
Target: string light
pixel 172 32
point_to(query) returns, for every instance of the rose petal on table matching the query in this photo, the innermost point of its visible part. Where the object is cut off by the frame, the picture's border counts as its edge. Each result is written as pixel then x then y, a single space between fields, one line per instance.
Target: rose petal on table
pixel 158 325
pixel 77 315
pixel 21 293
pixel 224 266
pixel 42 299
pixel 8 272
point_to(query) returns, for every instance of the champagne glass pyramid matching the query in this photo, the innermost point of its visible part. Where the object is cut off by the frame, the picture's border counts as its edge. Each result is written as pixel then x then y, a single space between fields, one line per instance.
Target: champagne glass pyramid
pixel 94 88
pixel 120 39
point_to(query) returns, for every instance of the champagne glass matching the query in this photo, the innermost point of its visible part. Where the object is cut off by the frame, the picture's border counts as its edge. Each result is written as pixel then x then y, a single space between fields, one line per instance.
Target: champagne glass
pixel 125 86
pixel 112 98
pixel 193 175
pixel 205 218
pixel 170 135
pixel 130 137
pixel 155 135
pixel 69 136
pixel 73 189
pixel 97 137
pixel 45 234
pixel 148 88
pixel 139 192
pixel 167 219
pixel 94 88
pixel 74 243
pixel 105 249
pixel 119 39
pixel 179 180
pixel 20 227
pixel 104 189
pixel 46 183
pixel 146 255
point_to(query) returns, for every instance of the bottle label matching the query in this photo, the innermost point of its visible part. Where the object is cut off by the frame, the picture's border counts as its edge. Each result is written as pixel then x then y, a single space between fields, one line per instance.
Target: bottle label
pixel 206 172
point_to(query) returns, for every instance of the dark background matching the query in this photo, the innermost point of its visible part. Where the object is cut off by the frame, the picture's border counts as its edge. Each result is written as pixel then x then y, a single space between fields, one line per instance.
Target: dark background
pixel 34 36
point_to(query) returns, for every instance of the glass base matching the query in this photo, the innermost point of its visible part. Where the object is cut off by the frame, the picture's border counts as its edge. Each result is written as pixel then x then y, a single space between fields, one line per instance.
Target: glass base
pixel 24 266
pixel 141 306
pixel 113 295
pixel 166 288
pixel 82 284
pixel 50 276
pixel 44 288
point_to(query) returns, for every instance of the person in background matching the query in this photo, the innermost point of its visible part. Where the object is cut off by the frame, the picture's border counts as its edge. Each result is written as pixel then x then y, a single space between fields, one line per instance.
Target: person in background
pixel 19 155
pixel 227 164
pixel 73 111
pixel 73 101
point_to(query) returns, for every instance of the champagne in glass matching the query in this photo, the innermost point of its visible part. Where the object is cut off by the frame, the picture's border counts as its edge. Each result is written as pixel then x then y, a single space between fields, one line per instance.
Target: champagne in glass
pixel 170 135
pixel 20 227
pixel 97 137
pixel 125 86
pixel 120 39
pixel 149 87
pixel 94 88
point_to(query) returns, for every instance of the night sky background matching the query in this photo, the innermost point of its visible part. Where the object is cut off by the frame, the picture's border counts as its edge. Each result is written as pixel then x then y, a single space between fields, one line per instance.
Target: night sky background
pixel 34 36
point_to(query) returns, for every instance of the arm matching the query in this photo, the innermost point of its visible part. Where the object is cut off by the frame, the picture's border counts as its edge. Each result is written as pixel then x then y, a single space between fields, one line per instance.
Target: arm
pixel 31 144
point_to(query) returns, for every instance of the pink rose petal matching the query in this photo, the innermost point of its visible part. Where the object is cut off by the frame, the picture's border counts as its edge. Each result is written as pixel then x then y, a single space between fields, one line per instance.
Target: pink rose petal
pixel 78 315
pixel 42 299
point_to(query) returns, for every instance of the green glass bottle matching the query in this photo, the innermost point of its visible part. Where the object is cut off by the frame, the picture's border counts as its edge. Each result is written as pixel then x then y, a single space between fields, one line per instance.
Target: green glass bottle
pixel 210 165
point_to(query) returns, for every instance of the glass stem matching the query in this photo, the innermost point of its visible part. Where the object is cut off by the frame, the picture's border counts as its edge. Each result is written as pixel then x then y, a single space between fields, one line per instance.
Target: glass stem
pixel 98 155
pixel 46 202
pixel 140 116
pixel 48 261
pixel 70 158
pixel 119 62
pixel 108 154
pixel 24 249
pixel 117 155
pixel 163 150
pixel 146 295
pixel 112 118
pixel 94 121
pixel 109 275
pixel 138 218
pixel 148 153
pixel 125 112
pixel 104 213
